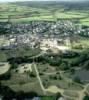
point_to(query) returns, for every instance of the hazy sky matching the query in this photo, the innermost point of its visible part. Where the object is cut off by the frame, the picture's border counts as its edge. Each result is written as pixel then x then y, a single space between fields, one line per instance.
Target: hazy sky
pixel 37 0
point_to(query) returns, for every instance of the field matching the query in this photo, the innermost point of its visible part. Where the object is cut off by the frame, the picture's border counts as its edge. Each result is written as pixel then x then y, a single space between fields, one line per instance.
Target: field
pixel 4 67
pixel 27 87
pixel 24 14
pixel 23 82
pixel 85 21
pixel 24 68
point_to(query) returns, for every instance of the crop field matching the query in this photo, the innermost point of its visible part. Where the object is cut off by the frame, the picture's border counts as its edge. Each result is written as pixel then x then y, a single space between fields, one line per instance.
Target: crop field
pixel 85 21
pixel 24 14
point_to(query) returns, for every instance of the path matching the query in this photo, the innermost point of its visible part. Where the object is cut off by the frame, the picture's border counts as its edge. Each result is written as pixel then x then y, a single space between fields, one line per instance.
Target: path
pixel 82 93
pixel 38 77
pixel 55 89
pixel 38 55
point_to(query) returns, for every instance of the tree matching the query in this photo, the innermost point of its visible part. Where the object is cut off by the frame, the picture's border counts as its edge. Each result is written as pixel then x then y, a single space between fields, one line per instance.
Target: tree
pixel 72 71
pixel 5 76
pixel 58 95
pixel 77 79
pixel 86 97
pixel 32 74
pixel 14 66
pixel 86 65
pixel 64 66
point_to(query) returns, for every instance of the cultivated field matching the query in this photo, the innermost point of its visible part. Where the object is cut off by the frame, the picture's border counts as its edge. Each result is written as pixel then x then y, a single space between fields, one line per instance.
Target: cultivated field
pixel 24 14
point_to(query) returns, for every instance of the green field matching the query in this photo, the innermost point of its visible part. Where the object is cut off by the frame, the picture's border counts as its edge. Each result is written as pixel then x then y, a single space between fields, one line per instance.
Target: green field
pixel 24 14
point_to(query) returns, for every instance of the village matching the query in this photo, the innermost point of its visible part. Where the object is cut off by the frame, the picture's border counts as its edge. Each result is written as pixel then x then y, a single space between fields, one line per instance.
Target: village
pixel 41 34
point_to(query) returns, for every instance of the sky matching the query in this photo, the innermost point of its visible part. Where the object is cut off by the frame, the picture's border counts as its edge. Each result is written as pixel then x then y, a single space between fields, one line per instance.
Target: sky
pixel 37 0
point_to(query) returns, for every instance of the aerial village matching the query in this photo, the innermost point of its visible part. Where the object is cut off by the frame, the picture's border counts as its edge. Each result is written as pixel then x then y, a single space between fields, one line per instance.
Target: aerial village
pixel 46 35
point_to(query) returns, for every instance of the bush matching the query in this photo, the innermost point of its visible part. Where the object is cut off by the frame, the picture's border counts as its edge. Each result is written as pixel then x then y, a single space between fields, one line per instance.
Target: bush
pixel 5 76
pixel 32 75
pixel 64 66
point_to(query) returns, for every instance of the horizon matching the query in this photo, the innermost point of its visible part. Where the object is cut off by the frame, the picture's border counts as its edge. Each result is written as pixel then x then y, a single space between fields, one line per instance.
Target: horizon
pixel 2 1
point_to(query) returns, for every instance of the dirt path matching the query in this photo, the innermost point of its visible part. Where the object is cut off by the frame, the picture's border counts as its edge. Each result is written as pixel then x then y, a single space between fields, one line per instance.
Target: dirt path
pixel 82 93
pixel 38 55
pixel 38 77
pixel 55 89
pixel 51 73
